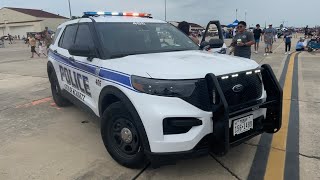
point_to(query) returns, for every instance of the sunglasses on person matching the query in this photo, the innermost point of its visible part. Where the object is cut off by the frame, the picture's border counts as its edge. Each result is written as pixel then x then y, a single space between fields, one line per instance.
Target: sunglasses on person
pixel 240 26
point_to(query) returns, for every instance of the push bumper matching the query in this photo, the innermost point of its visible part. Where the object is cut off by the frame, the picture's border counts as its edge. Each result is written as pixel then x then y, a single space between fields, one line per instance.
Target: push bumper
pixel 221 140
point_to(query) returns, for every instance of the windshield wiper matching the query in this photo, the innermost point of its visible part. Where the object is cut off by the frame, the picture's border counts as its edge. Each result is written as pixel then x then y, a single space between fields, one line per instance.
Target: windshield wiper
pixel 146 52
pixel 120 55
pixel 175 50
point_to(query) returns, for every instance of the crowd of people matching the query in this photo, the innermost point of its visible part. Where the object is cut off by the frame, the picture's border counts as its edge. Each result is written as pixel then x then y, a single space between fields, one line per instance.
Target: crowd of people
pixel 42 40
pixel 244 39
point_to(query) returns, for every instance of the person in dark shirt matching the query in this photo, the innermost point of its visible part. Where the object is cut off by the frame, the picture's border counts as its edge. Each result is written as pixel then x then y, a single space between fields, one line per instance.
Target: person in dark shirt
pixel 306 32
pixel 257 35
pixel 185 28
pixel 287 39
pixel 242 41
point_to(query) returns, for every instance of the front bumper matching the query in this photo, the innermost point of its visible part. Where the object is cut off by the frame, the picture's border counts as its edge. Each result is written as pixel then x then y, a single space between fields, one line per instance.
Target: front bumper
pixel 271 123
pixel 267 118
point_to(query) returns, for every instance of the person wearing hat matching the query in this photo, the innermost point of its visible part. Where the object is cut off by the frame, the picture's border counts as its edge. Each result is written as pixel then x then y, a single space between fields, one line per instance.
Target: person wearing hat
pixel 270 34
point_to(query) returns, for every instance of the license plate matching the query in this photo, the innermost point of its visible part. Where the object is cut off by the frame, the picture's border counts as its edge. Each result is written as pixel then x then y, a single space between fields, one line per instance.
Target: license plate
pixel 242 125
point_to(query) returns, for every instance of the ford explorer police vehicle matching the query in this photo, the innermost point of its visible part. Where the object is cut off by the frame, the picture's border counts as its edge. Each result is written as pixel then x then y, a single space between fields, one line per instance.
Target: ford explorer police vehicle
pixel 160 97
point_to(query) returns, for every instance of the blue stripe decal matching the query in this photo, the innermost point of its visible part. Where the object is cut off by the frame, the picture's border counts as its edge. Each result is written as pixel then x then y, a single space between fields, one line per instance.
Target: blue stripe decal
pixel 105 74
pixel 74 64
pixel 115 77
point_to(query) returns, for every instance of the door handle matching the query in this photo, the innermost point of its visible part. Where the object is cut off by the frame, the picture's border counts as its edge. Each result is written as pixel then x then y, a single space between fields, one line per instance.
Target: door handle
pixel 55 51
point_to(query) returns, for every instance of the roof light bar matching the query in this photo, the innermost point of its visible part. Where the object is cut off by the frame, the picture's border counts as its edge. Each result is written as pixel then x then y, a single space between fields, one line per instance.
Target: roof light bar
pixel 135 14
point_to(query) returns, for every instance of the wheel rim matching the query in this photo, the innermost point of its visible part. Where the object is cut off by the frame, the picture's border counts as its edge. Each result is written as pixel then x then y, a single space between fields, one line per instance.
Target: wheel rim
pixel 124 137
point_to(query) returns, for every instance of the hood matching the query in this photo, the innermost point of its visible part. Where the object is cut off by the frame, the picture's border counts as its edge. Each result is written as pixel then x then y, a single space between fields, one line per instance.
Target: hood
pixel 180 65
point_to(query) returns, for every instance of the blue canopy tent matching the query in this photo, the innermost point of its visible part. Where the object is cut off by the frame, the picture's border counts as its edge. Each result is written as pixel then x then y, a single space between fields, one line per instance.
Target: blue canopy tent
pixel 234 24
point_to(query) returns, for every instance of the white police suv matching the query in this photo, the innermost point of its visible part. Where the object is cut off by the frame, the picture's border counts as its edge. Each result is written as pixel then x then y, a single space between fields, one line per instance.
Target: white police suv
pixel 160 97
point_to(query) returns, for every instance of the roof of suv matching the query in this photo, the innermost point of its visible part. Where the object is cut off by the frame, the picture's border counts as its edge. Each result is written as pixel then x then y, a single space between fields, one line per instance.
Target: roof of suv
pixel 126 19
pixel 114 19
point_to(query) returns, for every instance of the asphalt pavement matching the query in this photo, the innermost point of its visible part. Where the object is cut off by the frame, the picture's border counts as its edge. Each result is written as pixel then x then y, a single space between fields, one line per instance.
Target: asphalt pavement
pixel 39 140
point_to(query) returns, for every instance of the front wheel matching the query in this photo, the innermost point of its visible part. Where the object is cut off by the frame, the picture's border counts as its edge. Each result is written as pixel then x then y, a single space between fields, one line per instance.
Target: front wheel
pixel 121 136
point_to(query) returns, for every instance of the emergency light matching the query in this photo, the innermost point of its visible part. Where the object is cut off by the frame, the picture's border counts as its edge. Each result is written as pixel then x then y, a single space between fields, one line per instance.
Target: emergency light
pixel 134 14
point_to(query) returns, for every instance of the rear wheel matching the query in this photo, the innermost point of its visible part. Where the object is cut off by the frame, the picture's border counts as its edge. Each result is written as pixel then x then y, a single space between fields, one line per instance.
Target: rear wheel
pixel 56 92
pixel 121 136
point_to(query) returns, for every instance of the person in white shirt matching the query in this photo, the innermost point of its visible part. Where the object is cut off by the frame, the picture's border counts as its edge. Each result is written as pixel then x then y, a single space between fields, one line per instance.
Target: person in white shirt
pixel 42 48
pixel 234 32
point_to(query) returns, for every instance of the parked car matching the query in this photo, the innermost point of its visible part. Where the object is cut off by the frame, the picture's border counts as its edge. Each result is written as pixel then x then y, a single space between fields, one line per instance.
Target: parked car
pixel 160 100
pixel 4 38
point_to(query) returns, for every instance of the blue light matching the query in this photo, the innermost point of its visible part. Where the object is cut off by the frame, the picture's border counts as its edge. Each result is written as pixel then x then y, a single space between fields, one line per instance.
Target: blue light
pixel 90 13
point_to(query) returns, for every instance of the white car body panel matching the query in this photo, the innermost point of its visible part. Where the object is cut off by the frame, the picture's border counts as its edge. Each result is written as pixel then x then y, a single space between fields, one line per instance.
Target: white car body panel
pixel 180 65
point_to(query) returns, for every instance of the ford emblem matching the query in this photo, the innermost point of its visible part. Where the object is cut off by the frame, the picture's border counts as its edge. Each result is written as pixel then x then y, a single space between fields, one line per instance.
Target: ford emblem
pixel 237 88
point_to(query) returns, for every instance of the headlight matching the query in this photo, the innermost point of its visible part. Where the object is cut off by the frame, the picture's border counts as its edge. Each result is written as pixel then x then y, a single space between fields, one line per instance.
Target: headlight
pixel 171 88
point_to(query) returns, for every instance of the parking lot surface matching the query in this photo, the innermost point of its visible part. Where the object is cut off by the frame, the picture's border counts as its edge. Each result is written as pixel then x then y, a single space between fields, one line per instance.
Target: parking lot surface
pixel 39 140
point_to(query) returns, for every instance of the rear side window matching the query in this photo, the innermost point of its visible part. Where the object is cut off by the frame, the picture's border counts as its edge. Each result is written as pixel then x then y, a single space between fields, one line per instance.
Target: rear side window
pixel 67 40
pixel 84 37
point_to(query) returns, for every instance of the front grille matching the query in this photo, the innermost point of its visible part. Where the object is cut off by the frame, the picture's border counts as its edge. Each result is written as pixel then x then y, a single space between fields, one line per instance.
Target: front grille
pixel 252 88
pixel 252 91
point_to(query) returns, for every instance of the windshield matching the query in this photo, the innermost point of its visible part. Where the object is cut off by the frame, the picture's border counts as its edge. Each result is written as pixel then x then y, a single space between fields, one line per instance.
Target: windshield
pixel 122 39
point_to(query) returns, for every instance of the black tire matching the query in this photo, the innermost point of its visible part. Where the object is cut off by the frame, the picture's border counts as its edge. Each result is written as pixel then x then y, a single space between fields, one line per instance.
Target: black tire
pixel 56 92
pixel 115 120
pixel 310 49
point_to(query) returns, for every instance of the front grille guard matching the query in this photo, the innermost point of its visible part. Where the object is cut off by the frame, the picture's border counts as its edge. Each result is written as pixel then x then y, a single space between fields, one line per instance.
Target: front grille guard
pixel 220 110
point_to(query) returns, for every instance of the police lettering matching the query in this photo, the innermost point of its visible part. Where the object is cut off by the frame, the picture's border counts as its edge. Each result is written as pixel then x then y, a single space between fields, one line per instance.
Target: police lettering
pixel 76 80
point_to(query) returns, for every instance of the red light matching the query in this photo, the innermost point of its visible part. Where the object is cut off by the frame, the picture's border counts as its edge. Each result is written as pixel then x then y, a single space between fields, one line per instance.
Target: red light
pixel 136 14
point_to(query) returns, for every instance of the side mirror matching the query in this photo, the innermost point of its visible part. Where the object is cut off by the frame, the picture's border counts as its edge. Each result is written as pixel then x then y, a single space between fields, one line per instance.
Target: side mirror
pixel 216 43
pixel 204 45
pixel 83 51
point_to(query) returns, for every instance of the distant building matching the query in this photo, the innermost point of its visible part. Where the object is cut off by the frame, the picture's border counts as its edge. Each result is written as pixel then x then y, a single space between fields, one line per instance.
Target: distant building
pixel 193 26
pixel 19 21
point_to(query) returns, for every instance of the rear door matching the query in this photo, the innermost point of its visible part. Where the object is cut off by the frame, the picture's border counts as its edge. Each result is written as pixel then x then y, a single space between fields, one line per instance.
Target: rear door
pixel 74 73
pixel 59 54
pixel 86 68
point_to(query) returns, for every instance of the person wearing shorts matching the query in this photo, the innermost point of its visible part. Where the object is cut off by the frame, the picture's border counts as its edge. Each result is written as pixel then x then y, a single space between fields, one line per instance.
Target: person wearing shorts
pixel 257 35
pixel 268 44
pixel 270 34
pixel 33 43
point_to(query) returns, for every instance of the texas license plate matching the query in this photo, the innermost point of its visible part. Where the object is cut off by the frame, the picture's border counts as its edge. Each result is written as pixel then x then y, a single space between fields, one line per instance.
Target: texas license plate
pixel 242 125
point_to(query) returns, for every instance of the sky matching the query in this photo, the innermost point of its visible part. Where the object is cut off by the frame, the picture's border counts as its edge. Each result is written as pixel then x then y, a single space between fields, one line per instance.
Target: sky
pixel 291 12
